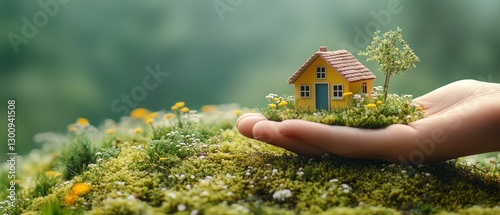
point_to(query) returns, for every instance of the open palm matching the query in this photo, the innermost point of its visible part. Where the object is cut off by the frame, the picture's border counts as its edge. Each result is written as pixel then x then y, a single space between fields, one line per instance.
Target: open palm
pixel 461 118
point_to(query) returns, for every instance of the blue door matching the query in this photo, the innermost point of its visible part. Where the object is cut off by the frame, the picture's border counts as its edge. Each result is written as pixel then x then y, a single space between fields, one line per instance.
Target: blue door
pixel 322 96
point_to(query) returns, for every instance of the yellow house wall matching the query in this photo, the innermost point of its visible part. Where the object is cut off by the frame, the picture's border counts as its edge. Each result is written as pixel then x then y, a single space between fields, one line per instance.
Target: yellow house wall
pixel 309 78
pixel 355 87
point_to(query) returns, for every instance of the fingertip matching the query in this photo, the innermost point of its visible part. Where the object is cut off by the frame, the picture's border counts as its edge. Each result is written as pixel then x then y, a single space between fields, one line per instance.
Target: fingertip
pixel 242 117
pixel 265 130
pixel 246 123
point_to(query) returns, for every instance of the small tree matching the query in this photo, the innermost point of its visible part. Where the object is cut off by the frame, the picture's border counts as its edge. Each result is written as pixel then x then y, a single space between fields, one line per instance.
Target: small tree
pixel 386 50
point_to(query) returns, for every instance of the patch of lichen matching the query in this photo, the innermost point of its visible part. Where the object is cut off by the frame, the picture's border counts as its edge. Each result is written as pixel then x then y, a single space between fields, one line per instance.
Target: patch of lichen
pixel 202 168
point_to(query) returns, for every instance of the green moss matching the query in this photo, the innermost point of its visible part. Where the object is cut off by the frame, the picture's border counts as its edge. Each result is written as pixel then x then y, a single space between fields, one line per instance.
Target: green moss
pixel 204 169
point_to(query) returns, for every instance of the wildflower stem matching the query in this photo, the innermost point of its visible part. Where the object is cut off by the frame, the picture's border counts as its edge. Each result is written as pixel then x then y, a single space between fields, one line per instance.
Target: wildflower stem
pixel 179 120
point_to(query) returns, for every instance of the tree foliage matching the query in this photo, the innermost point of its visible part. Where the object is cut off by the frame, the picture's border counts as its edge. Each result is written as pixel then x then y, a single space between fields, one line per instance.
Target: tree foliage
pixel 392 53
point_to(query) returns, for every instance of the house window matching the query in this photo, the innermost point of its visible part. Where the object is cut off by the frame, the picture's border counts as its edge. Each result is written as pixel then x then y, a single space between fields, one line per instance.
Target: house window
pixel 320 72
pixel 338 91
pixel 364 88
pixel 305 91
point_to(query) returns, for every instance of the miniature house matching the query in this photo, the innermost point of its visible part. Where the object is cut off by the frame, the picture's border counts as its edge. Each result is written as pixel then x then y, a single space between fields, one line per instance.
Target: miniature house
pixel 321 82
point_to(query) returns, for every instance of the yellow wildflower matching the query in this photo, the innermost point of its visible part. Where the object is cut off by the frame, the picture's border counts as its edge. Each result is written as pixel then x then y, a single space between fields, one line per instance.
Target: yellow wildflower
pixel 49 173
pixel 83 122
pixel 169 116
pixel 174 108
pixel 138 130
pixel 71 127
pixel 77 190
pixel 371 105
pixel 238 112
pixel 80 189
pixel 379 102
pixel 57 174
pixel 153 115
pixel 70 199
pixel 276 99
pixel 208 108
pixel 163 159
pixel 347 93
pixel 180 104
pixel 282 103
pixel 418 108
pixel 149 121
pixel 139 113
pixel 184 110
pixel 110 131
pixel 272 106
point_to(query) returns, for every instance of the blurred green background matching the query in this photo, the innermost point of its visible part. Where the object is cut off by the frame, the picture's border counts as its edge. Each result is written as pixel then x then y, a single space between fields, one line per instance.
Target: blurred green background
pixel 84 56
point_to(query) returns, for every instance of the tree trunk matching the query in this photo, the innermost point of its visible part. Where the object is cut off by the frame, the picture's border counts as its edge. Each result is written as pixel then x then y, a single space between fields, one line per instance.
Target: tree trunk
pixel 386 84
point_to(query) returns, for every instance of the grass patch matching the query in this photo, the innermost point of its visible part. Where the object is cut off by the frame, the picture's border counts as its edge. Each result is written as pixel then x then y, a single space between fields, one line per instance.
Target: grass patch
pixel 76 156
pixel 361 112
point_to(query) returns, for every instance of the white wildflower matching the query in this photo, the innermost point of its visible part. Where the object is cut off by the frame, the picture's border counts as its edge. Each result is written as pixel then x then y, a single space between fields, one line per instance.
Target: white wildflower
pixel 281 195
pixel 240 208
pixel 334 180
pixel 271 96
pixel 274 171
pixel 181 207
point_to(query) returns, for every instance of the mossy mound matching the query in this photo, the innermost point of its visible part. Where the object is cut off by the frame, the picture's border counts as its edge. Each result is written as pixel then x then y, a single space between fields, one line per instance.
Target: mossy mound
pixel 361 111
pixel 199 164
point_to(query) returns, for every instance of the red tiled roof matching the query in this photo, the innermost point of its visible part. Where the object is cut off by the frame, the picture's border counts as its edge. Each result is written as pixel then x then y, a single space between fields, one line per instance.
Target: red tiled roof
pixel 342 61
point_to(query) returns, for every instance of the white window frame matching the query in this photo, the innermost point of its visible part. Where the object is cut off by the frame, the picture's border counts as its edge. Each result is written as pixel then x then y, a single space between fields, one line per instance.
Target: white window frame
pixel 339 92
pixel 364 87
pixel 306 91
pixel 320 72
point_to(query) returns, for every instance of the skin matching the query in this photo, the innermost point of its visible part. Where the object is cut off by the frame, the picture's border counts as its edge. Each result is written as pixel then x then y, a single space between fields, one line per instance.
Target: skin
pixel 461 118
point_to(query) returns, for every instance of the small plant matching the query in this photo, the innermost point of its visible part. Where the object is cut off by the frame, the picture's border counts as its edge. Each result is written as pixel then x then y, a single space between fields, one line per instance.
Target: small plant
pixel 76 155
pixel 392 53
pixel 44 183
pixel 180 110
pixel 278 105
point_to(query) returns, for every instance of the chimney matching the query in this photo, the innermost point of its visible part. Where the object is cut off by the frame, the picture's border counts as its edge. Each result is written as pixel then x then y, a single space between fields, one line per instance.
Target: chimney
pixel 323 49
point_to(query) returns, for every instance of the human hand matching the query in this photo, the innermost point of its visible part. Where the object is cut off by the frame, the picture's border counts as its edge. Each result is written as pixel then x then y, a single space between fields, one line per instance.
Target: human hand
pixel 461 118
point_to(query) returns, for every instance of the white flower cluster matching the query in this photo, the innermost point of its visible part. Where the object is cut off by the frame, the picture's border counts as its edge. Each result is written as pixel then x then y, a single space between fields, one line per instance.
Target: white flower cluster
pixel 271 96
pixel 281 195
